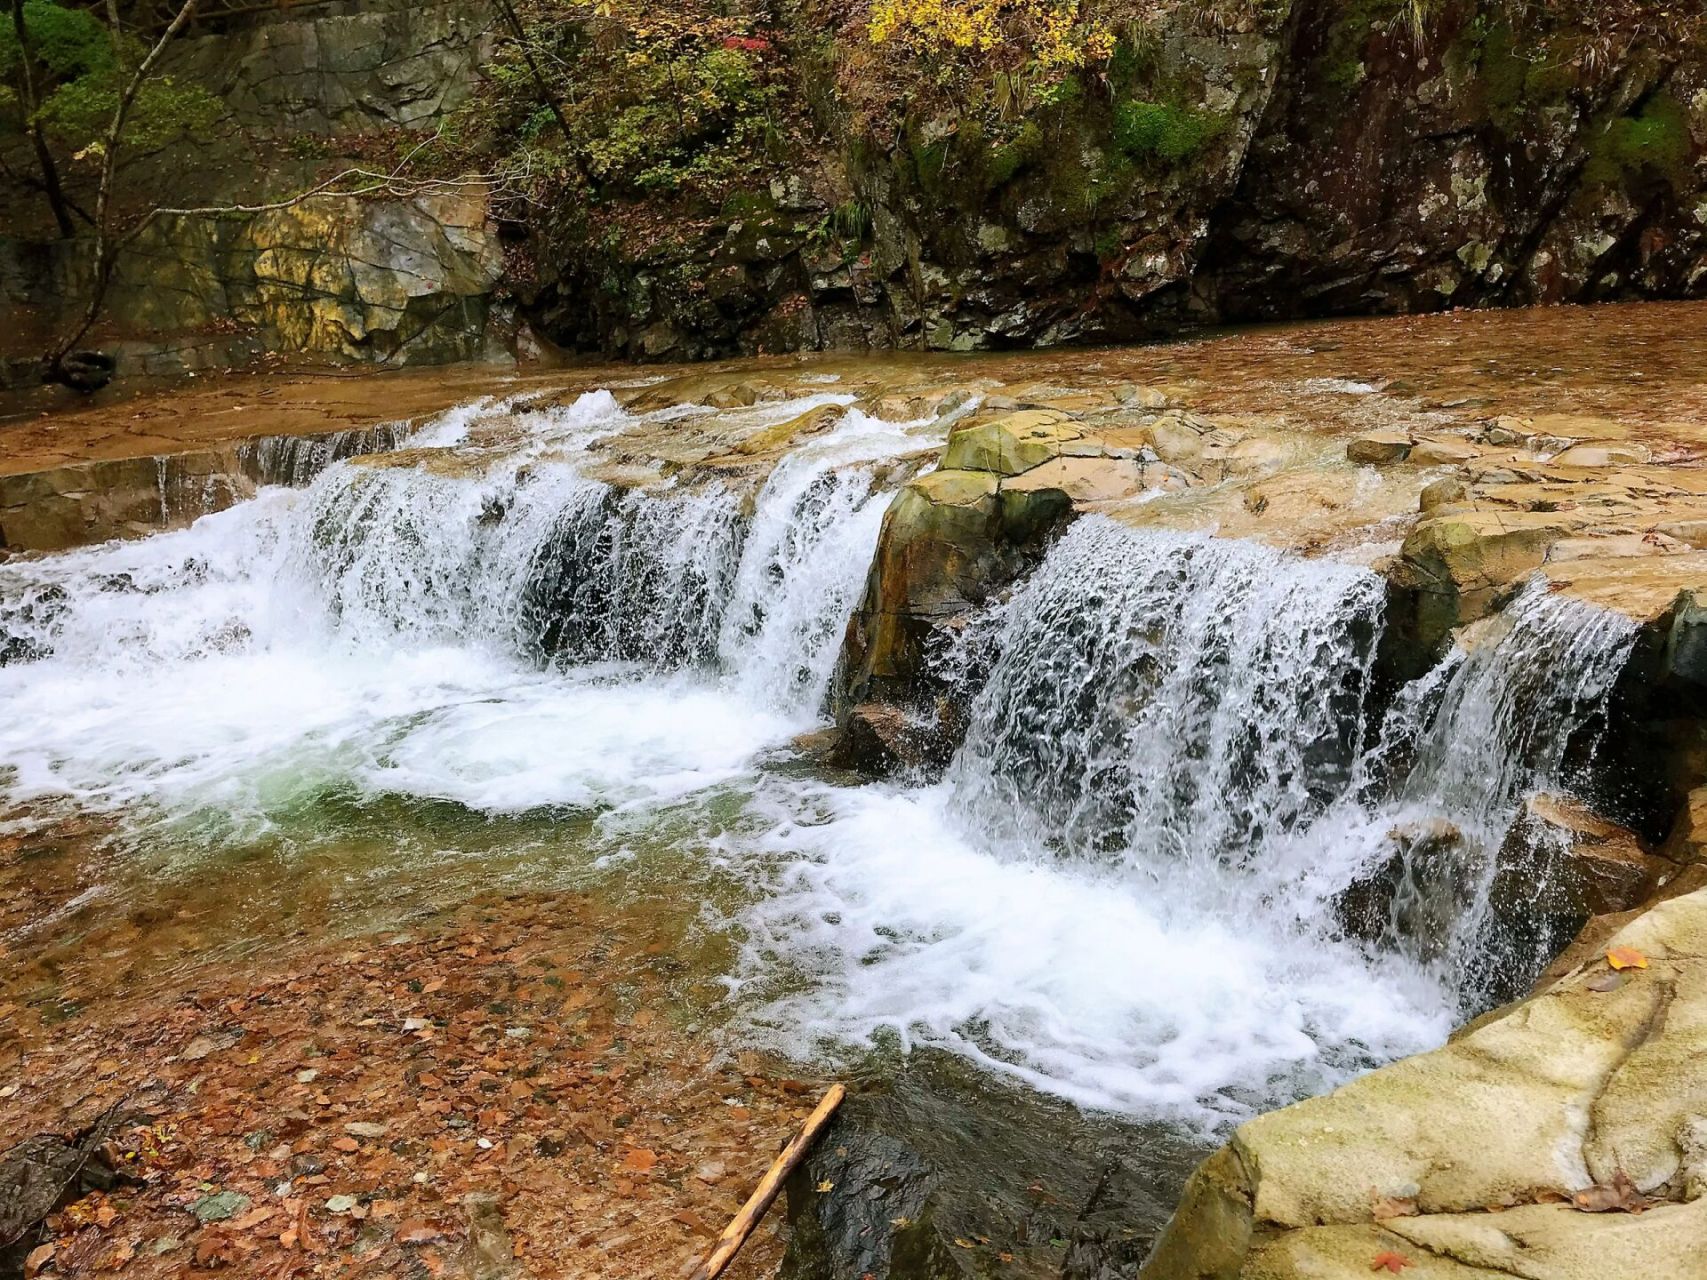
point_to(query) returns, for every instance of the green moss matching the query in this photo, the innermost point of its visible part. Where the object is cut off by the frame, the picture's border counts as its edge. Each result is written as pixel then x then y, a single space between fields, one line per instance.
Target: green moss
pixel 1501 72
pixel 1014 155
pixel 1163 131
pixel 748 204
pixel 1066 90
pixel 1655 142
pixel 1136 57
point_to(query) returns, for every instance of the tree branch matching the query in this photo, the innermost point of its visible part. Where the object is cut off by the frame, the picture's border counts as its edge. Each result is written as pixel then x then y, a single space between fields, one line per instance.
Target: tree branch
pixel 50 183
pixel 104 249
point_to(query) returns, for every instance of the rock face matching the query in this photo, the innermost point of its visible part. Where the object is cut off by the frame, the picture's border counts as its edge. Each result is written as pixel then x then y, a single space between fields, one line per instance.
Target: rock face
pixel 1495 1154
pixel 1306 157
pixel 398 281
pixel 390 279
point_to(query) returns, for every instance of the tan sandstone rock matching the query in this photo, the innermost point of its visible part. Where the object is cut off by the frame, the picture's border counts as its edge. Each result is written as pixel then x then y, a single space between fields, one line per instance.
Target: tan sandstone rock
pixel 1600 1076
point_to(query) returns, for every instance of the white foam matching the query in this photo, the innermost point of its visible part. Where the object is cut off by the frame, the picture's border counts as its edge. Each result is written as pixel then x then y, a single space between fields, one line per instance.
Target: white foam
pixel 1084 983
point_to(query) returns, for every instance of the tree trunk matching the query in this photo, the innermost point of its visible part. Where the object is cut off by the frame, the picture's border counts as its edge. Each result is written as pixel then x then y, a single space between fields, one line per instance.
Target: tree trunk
pixel 50 183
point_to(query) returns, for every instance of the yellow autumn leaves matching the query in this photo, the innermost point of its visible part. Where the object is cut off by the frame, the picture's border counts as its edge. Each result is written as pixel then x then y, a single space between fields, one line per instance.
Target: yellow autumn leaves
pixel 1056 33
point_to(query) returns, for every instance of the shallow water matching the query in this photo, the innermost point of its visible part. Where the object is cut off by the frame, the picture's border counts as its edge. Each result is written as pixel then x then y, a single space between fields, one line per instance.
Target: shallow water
pixel 477 665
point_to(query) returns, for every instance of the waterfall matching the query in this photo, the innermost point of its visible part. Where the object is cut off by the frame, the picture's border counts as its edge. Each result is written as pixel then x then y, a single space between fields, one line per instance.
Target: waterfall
pixel 478 617
pixel 296 460
pixel 804 564
pixel 1130 886
pixel 1506 718
pixel 1171 696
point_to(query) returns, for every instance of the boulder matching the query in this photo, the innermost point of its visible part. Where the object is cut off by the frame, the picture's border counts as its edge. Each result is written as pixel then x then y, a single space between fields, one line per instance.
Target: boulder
pixel 1457 563
pixel 1012 444
pixel 1432 453
pixel 1509 431
pixel 1686 844
pixel 1479 1158
pixel 1379 448
pixel 945 1172
pixel 1441 493
pixel 1562 859
pixel 950 540
pixel 1686 641
pixel 879 737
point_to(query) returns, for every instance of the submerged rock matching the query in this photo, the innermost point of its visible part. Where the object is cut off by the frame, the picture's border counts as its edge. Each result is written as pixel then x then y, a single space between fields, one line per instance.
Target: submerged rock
pixel 946 1173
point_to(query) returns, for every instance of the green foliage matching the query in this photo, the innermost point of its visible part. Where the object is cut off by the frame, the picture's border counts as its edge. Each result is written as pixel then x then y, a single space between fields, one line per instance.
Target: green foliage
pixel 851 220
pixel 1163 131
pixel 68 42
pixel 80 74
pixel 654 103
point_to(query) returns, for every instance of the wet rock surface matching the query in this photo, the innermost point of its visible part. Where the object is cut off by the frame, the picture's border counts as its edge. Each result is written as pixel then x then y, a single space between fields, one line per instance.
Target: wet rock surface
pixel 940 1174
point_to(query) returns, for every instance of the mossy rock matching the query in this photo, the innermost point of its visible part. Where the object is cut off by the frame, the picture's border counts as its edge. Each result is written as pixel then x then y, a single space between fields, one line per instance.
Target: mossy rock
pixel 1010 445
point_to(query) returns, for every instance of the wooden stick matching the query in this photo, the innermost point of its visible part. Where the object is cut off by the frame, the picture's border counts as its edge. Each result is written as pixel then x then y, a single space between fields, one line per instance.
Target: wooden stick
pixel 741 1226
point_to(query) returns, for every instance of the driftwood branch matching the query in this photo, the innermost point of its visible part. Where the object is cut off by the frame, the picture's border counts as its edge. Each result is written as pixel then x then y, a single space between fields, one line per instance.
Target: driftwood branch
pixel 741 1226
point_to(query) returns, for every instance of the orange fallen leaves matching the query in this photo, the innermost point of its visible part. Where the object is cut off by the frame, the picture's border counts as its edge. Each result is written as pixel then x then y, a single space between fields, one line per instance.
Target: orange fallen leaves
pixel 1621 1196
pixel 1387 1260
pixel 640 1159
pixel 1626 958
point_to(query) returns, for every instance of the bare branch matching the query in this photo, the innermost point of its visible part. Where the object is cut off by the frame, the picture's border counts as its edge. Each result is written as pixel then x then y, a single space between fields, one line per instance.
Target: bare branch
pixel 104 249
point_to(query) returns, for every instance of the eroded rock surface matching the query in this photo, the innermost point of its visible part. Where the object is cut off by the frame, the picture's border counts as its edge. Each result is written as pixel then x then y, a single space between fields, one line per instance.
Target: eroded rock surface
pixel 1494 1155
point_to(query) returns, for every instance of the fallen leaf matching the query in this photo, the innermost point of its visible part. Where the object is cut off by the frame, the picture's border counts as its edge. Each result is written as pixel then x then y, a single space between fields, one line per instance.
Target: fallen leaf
pixel 1605 982
pixel 1626 958
pixel 1390 1261
pixel 38 1258
pixel 1620 1197
pixel 825 1187
pixel 640 1159
pixel 415 1231
pixel 962 1242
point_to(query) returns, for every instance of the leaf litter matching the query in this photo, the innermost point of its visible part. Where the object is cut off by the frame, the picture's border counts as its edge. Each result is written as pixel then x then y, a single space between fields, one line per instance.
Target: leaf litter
pixel 367 1108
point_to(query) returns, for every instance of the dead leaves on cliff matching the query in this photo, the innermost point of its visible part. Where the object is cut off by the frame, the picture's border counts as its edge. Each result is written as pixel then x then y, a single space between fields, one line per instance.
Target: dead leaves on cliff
pixel 1626 958
pixel 1389 1261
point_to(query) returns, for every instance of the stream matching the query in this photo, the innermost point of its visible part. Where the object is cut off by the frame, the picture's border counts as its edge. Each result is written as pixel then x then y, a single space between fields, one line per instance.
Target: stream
pixel 479 664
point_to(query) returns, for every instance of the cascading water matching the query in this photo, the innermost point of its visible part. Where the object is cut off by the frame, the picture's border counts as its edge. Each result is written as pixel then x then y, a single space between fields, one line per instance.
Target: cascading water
pixel 474 619
pixel 1165 699
pixel 1506 718
pixel 1126 889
